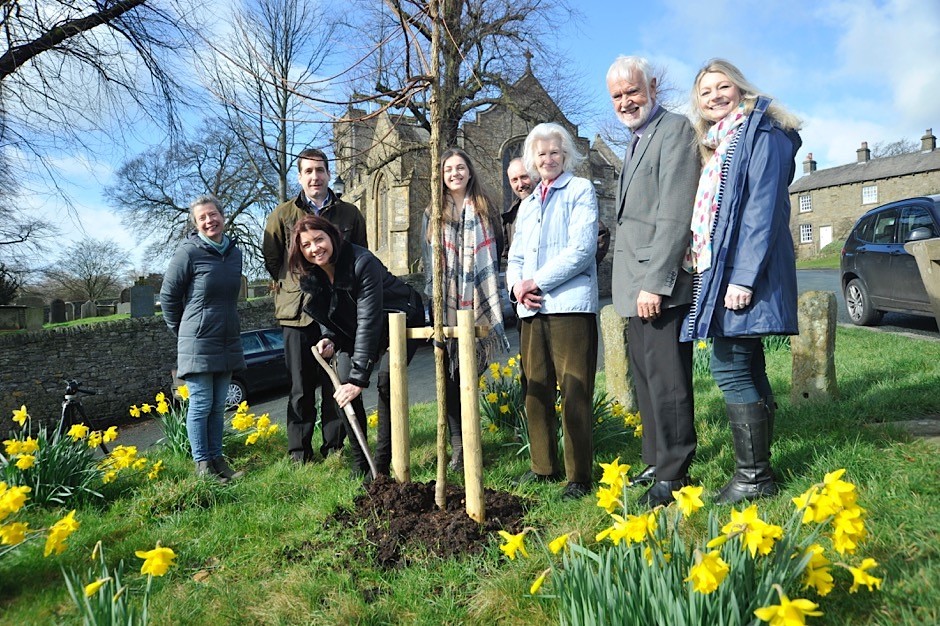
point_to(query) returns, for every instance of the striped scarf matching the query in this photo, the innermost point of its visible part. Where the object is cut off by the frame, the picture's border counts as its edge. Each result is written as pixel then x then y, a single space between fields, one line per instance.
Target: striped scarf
pixel 699 256
pixel 471 280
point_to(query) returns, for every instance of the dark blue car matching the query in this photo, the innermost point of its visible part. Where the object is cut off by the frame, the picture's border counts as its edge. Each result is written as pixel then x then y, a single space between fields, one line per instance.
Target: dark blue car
pixel 878 275
pixel 265 367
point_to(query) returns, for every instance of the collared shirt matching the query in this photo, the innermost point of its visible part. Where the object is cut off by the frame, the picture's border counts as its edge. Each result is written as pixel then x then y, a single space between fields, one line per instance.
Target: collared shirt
pixel 642 129
pixel 312 204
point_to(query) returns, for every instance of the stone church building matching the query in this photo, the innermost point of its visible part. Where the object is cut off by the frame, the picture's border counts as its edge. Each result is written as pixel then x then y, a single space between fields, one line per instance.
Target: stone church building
pixel 385 166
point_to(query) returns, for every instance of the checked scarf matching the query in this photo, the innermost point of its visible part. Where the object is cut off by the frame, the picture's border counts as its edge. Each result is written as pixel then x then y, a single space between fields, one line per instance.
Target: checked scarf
pixel 719 136
pixel 471 280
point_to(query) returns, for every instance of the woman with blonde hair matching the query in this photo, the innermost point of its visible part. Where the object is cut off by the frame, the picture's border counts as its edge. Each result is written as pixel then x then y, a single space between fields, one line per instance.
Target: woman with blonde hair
pixel 741 256
pixel 471 238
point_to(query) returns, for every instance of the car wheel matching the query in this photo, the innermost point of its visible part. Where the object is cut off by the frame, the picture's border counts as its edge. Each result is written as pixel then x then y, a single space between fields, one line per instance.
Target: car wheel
pixel 236 393
pixel 859 306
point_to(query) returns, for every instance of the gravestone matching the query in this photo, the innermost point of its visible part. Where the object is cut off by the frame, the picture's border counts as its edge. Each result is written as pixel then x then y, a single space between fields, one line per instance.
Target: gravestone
pixel 57 311
pixel 88 309
pixel 125 295
pixel 616 364
pixel 243 290
pixel 258 291
pixel 814 349
pixel 142 301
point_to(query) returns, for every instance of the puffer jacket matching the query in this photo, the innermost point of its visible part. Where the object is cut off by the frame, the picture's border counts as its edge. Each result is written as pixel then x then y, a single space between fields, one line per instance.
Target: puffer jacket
pixel 752 245
pixel 199 299
pixel 351 311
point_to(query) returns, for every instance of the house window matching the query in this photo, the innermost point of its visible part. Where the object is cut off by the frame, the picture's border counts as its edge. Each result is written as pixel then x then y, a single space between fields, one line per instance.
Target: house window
pixel 806 203
pixel 870 194
pixel 806 233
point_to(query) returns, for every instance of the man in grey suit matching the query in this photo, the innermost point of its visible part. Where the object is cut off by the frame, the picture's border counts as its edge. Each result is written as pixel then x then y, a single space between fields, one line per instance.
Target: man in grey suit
pixel 656 192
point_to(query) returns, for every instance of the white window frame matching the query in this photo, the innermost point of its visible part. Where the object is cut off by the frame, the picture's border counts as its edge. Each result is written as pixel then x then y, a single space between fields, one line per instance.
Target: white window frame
pixel 870 194
pixel 806 233
pixel 806 203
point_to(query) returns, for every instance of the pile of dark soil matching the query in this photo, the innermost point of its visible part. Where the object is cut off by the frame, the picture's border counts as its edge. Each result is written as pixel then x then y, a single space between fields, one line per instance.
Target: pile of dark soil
pixel 399 514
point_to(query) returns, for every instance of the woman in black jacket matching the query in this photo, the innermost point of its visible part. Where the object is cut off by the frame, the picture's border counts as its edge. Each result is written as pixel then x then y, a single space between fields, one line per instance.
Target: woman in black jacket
pixel 352 292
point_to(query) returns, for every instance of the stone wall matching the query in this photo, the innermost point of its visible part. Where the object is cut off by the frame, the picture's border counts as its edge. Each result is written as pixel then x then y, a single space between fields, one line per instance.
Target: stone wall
pixel 127 362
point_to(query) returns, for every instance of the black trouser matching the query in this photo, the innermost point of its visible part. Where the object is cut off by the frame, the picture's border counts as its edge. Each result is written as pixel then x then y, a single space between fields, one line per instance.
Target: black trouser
pixel 305 376
pixel 662 374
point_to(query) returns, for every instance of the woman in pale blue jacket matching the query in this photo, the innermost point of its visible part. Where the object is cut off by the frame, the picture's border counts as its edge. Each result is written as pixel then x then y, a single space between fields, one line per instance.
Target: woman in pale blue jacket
pixel 553 279
pixel 742 257
pixel 199 299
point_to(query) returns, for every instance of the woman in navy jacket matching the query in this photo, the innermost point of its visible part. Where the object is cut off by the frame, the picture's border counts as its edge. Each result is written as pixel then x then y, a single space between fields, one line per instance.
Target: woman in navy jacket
pixel 199 299
pixel 352 295
pixel 742 257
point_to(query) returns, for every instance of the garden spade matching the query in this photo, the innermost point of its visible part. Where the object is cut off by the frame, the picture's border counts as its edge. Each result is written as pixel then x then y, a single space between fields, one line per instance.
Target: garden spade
pixel 350 413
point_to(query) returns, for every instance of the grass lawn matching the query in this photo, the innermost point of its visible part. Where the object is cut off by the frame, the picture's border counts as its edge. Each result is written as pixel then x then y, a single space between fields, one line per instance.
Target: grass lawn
pixel 827 259
pixel 265 550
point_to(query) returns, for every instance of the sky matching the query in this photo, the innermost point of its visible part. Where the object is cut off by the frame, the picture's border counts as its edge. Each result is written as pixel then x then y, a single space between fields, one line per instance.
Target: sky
pixel 852 70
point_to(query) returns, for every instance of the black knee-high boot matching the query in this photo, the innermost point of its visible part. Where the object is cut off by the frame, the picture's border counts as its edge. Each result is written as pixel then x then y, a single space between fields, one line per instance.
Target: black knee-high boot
pixel 750 432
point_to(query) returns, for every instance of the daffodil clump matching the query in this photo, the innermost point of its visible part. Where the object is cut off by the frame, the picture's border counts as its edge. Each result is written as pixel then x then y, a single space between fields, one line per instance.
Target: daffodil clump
pixel 172 417
pixel 255 427
pixel 106 599
pixel 56 467
pixel 503 405
pixel 642 570
pixel 15 532
pixel 501 400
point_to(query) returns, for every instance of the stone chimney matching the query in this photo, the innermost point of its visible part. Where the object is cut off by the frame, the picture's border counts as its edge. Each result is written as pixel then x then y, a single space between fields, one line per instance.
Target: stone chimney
pixel 864 154
pixel 928 143
pixel 809 164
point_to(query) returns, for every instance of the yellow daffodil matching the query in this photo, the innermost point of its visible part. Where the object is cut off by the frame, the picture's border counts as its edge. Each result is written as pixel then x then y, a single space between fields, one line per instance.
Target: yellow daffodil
pixel 243 421
pixel 160 397
pixel 163 407
pixel 534 589
pixel 155 470
pixel 511 362
pixel 110 434
pixel 860 576
pixel 708 572
pixel 689 499
pixel 59 532
pixel 514 543
pixel 109 476
pixel 848 528
pixel 25 461
pixel 156 561
pixel 92 588
pixel 146 408
pixel 373 419
pixel 13 533
pixel 701 345
pixel 492 397
pixel 559 543
pixel 12 447
pixel 12 499
pixel 253 438
pixel 504 409
pixel 608 498
pixel 94 439
pixel 134 411
pixel 183 392
pixel 29 446
pixel 614 473
pixel 20 415
pixel 757 535
pixel 273 428
pixel 140 463
pixel 638 432
pixel 482 384
pixel 507 372
pixel 265 420
pixel 77 432
pixel 788 613
pixel 817 574
pixel 492 428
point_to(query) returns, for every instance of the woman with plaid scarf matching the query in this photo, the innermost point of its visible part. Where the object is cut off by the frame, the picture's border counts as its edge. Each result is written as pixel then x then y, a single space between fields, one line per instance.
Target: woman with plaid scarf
pixel 471 235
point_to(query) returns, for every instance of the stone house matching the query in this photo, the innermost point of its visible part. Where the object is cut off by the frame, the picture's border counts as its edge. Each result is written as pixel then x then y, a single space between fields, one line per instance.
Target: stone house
pixel 384 164
pixel 825 204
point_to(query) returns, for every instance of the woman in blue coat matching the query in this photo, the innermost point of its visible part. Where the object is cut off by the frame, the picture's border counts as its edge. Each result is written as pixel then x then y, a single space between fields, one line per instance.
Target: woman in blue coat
pixel 742 257
pixel 199 300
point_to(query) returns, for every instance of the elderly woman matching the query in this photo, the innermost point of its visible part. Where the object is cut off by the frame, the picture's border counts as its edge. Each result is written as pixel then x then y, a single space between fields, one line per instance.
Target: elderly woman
pixel 199 298
pixel 553 278
pixel 352 293
pixel 471 235
pixel 742 258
